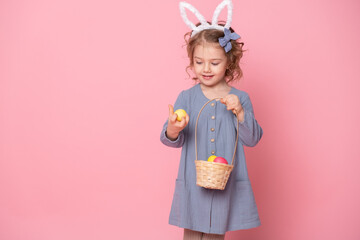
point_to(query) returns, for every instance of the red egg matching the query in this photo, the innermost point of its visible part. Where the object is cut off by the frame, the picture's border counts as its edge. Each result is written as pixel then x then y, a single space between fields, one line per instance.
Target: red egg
pixel 220 160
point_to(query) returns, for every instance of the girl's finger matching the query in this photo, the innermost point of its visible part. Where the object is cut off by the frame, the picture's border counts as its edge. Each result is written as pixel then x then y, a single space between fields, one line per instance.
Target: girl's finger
pixel 171 110
pixel 174 117
pixel 182 122
pixel 187 119
pixel 227 97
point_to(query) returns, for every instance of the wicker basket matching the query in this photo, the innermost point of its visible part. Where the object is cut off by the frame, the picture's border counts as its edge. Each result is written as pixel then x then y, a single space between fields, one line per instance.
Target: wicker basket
pixel 212 175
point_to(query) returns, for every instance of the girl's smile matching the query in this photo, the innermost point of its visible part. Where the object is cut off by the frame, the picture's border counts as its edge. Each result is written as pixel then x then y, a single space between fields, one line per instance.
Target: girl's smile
pixel 208 77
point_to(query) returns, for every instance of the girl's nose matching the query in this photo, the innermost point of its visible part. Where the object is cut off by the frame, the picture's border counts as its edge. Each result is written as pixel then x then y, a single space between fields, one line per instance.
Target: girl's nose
pixel 207 67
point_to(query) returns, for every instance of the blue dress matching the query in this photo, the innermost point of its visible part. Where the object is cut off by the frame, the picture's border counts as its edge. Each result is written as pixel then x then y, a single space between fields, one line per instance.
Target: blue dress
pixel 207 210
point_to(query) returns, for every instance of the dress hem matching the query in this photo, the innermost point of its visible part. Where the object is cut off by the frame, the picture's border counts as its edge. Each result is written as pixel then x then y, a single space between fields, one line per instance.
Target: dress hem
pixel 235 227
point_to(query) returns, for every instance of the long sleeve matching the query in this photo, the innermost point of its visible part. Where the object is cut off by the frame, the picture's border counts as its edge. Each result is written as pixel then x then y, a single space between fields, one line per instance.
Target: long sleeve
pixel 179 142
pixel 250 131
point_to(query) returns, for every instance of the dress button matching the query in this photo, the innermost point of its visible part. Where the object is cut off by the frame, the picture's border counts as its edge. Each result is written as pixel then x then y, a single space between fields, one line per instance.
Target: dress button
pixel 212 129
pixel 213 104
pixel 212 140
pixel 213 117
pixel 212 152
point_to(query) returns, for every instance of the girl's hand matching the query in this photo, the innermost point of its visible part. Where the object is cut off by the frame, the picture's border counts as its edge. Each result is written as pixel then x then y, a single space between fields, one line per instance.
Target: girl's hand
pixel 232 102
pixel 174 126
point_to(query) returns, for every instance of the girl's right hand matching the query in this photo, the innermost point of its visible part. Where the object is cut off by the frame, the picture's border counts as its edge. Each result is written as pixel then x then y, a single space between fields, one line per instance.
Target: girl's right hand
pixel 174 126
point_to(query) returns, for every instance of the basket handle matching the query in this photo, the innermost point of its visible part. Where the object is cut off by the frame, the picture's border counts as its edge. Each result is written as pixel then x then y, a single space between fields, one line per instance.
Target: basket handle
pixel 237 130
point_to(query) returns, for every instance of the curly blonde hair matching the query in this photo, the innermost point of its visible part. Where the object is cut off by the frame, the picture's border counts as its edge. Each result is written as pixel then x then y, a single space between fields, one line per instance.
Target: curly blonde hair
pixel 233 72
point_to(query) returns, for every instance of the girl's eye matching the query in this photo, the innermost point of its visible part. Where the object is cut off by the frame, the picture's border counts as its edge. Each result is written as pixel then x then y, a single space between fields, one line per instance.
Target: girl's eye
pixel 215 64
pixel 198 62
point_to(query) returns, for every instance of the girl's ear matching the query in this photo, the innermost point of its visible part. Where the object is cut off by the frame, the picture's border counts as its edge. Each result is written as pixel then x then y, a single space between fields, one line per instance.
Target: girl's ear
pixel 228 64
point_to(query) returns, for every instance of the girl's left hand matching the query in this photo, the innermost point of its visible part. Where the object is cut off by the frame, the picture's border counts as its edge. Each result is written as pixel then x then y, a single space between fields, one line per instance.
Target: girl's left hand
pixel 232 102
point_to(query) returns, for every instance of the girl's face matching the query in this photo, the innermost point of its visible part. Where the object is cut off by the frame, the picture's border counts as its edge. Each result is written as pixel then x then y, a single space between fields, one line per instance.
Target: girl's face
pixel 210 63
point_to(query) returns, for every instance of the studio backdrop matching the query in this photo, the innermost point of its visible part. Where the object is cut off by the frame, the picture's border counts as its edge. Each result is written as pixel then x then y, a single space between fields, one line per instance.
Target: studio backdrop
pixel 84 93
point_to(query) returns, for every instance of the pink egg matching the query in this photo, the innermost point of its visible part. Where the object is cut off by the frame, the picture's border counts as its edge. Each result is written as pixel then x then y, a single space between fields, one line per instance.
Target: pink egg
pixel 220 160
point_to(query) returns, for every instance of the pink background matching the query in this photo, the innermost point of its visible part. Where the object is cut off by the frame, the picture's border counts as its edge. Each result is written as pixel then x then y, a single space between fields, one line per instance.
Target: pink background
pixel 84 89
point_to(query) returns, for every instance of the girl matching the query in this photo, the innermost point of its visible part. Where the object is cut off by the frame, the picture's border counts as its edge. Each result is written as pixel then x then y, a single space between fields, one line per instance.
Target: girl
pixel 207 213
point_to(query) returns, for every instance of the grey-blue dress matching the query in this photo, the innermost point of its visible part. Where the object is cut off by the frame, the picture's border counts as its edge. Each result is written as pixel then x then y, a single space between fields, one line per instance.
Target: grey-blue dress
pixel 206 210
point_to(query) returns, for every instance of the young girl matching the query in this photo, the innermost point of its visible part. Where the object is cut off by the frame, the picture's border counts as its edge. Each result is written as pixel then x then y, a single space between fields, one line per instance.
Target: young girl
pixel 207 213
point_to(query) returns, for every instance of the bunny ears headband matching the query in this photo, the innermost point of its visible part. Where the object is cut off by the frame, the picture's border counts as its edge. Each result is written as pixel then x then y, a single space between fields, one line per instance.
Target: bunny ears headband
pixel 224 41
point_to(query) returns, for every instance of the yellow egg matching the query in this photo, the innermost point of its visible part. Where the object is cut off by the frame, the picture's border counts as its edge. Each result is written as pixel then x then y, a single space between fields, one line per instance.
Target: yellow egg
pixel 180 113
pixel 211 158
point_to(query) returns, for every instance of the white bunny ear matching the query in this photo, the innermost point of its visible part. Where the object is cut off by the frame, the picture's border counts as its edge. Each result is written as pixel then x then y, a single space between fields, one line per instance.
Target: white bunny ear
pixel 217 11
pixel 191 25
pixel 203 24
